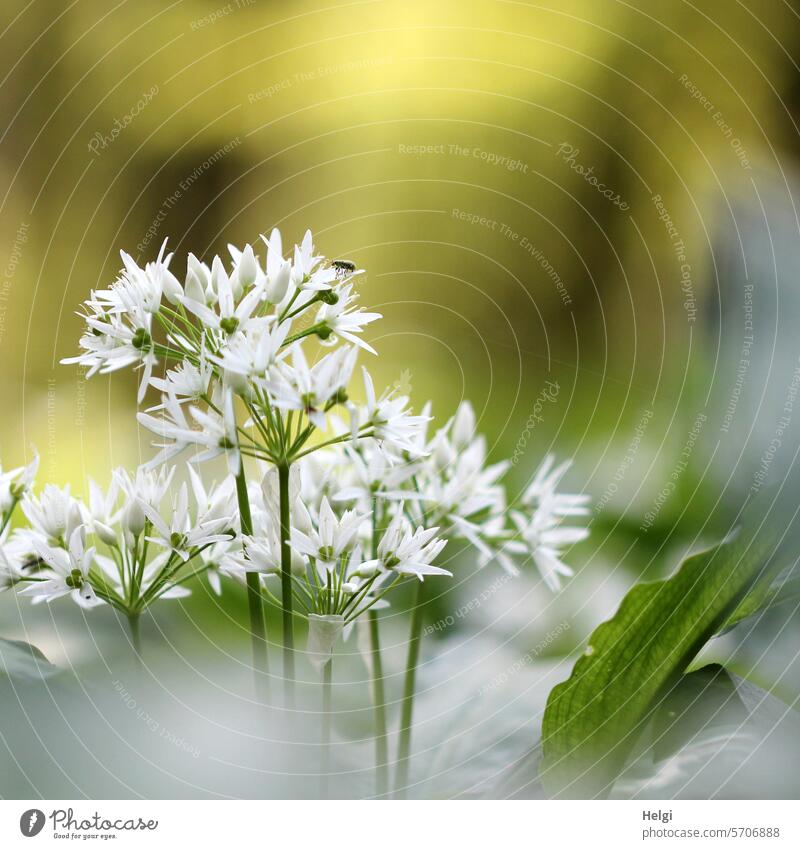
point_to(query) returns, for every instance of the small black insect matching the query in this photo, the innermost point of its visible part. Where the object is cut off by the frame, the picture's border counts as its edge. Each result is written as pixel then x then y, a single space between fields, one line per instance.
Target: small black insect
pixel 343 265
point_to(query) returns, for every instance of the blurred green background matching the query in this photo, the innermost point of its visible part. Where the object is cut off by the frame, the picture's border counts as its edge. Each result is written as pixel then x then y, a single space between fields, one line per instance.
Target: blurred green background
pixel 313 108
pixel 573 192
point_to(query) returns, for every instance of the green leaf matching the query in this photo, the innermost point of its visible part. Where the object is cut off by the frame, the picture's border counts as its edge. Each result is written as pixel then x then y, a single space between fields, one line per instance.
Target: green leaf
pixel 20 660
pixel 715 735
pixel 593 719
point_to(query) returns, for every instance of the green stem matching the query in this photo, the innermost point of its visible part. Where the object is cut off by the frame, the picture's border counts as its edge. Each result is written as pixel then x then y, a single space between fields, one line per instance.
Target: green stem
pixel 404 746
pixel 258 631
pixel 379 701
pixel 327 705
pixel 136 639
pixel 286 583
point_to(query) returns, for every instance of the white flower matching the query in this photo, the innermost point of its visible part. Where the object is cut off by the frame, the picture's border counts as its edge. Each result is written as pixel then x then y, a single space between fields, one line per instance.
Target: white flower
pixel 544 539
pixel 119 319
pixel 252 353
pixel 407 551
pixel 153 280
pixel 186 380
pixel 542 489
pixel 371 472
pixel 182 536
pixel 146 486
pixel 103 513
pixel 332 537
pixel 229 316
pixel 307 273
pixel 14 554
pixel 262 554
pixel 298 387
pixel 55 514
pixel 246 270
pixel 216 502
pixel 15 484
pixel 389 418
pixel 344 321
pixel 279 270
pixel 540 525
pixel 458 483
pixel 69 572
pixel 114 341
pixel 217 434
pixel 219 560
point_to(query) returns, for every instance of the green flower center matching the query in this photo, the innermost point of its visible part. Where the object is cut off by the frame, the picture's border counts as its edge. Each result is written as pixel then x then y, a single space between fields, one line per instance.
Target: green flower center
pixel 177 540
pixel 229 324
pixel 328 296
pixel 141 340
pixel 74 580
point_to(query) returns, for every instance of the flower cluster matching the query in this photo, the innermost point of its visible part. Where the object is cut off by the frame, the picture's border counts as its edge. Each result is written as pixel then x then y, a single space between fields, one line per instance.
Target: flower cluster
pixel 127 546
pixel 254 360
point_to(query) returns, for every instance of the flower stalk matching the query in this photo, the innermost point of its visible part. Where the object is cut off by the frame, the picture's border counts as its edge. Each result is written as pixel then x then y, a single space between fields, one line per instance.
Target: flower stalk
pixel 407 712
pixel 327 708
pixel 378 687
pixel 286 581
pixel 379 701
pixel 255 604
pixel 136 638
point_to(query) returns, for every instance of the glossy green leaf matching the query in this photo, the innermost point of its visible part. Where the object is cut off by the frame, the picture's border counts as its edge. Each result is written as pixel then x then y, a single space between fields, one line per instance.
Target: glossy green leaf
pixel 593 719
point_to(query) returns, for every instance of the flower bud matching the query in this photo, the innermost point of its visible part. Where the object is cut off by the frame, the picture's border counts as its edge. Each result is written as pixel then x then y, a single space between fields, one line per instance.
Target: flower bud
pixel 218 275
pixel 194 288
pixel 368 570
pixel 463 425
pixel 278 284
pixel 105 533
pixel 171 287
pixel 74 519
pixel 200 270
pixel 133 519
pixel 299 563
pixel 247 270
pixel 443 453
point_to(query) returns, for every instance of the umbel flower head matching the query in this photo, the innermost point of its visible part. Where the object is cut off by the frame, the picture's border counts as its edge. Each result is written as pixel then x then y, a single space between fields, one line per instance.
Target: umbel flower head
pixel 253 358
pixel 129 546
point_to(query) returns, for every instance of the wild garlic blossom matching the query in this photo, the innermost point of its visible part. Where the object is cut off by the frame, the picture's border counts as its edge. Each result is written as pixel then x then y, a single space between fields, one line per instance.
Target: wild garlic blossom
pixel 13 486
pixel 253 358
pixel 129 546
